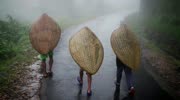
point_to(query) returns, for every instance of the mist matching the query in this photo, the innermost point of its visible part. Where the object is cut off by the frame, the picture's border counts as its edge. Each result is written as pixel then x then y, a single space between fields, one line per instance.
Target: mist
pixel 155 23
pixel 29 10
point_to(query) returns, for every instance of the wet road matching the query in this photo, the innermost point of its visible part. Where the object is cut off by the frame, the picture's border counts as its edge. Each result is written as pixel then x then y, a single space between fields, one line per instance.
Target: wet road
pixel 64 86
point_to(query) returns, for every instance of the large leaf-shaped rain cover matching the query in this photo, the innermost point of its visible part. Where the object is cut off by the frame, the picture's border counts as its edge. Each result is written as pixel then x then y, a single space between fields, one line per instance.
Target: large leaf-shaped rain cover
pixel 126 46
pixel 86 50
pixel 44 34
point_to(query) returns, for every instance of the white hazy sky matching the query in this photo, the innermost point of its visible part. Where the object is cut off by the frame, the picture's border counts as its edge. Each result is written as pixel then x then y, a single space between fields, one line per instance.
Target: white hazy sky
pixel 30 9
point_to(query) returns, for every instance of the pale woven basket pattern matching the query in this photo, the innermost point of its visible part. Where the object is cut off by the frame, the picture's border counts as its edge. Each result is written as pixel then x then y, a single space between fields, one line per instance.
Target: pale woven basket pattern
pixel 44 34
pixel 86 50
pixel 126 46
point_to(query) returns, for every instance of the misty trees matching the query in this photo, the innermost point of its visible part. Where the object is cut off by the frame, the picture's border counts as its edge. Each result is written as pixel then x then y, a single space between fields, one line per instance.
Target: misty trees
pixel 163 7
pixel 165 11
pixel 161 21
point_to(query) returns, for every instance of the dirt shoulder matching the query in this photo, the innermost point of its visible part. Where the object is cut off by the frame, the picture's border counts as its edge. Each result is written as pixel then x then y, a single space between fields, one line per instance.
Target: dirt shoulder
pixel 25 82
pixel 163 67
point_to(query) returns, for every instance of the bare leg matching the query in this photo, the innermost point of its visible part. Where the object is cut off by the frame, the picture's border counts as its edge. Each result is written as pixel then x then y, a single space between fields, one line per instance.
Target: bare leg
pixel 50 63
pixel 43 65
pixel 89 78
pixel 81 76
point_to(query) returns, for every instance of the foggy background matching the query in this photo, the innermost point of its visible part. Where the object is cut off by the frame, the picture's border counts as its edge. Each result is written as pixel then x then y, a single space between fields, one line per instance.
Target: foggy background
pixel 29 10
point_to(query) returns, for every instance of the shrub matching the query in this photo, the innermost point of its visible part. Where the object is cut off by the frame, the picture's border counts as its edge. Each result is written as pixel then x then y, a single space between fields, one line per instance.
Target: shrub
pixel 9 37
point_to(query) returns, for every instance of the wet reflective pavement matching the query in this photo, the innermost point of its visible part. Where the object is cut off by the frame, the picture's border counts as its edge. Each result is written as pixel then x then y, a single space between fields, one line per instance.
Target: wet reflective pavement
pixel 64 86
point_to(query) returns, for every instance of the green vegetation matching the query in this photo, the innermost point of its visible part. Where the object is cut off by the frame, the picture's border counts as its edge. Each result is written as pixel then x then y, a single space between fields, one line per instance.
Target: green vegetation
pixel 162 17
pixel 160 7
pixel 12 37
pixel 15 51
pixel 9 38
pixel 162 34
pixel 161 21
pixel 164 24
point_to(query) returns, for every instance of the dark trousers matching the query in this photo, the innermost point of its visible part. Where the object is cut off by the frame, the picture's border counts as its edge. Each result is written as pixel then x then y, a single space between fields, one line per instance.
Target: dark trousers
pixel 127 70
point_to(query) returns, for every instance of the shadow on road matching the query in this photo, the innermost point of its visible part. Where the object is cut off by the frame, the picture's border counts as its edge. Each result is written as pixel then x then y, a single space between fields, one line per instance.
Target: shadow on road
pixel 117 95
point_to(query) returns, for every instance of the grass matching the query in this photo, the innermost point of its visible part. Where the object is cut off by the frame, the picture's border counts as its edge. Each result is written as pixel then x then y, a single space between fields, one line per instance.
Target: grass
pixel 9 67
pixel 16 52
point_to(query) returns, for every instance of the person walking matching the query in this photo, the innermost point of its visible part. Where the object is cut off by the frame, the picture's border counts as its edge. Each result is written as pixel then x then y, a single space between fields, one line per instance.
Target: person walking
pixel 87 51
pixel 127 49
pixel 44 36
pixel 43 58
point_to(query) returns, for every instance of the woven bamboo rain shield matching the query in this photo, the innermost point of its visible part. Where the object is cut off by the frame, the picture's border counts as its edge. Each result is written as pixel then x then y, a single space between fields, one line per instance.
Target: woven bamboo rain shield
pixel 44 34
pixel 126 47
pixel 86 50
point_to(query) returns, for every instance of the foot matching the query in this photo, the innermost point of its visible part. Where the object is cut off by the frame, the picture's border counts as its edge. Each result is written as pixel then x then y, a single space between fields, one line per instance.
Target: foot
pixel 50 74
pixel 45 75
pixel 89 93
pixel 79 81
pixel 131 91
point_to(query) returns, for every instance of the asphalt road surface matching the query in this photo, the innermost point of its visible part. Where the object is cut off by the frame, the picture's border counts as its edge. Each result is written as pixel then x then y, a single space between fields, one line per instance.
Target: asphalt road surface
pixel 64 86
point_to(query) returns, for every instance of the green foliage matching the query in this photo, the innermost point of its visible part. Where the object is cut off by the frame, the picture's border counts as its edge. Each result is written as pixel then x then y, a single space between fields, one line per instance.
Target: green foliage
pixel 164 31
pixel 164 25
pixel 160 7
pixel 162 16
pixel 15 48
pixel 167 26
pixel 10 36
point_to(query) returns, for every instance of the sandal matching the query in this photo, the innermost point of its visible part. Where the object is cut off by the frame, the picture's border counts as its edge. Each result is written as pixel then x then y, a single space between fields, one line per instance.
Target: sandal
pixel 45 75
pixel 50 74
pixel 89 93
